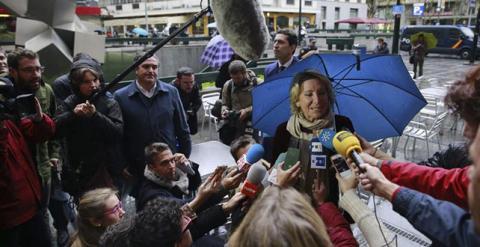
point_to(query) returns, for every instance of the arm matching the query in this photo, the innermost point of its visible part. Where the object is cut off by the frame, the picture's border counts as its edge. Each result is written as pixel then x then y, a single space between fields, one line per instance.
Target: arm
pixel 450 185
pixel 197 100
pixel 337 227
pixel 63 118
pixel 365 219
pixel 226 97
pixel 182 132
pixel 37 132
pixel 111 124
pixel 441 221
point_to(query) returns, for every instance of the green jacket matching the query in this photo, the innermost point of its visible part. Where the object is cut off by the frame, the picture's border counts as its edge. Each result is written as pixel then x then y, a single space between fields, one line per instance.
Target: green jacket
pixel 49 149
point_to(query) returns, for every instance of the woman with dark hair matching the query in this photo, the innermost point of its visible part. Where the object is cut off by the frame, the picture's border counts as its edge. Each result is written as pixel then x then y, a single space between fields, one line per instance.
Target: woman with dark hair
pixel 311 103
pixel 92 132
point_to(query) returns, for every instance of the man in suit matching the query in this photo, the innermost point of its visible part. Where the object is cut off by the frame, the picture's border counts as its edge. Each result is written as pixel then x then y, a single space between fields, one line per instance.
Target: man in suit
pixel 284 46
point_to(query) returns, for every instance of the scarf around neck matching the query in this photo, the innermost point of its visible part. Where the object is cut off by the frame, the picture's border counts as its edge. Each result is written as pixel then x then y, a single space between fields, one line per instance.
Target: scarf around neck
pixel 181 179
pixel 297 124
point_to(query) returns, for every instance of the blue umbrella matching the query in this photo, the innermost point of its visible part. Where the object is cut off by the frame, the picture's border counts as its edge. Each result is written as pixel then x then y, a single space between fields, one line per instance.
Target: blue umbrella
pixel 140 31
pixel 375 91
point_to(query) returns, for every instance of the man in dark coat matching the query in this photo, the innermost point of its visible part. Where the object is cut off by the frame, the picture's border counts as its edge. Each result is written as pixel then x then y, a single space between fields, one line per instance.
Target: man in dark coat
pixel 190 96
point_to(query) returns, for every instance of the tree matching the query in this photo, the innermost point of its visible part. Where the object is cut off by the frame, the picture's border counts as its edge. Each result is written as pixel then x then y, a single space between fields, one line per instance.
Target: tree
pixel 371 8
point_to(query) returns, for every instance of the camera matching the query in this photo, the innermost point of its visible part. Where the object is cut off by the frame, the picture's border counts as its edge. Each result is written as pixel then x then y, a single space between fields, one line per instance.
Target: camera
pixel 233 116
pixel 11 106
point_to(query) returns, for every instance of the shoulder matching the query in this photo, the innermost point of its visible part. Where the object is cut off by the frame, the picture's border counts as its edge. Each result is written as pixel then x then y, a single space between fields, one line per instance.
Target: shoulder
pixel 125 90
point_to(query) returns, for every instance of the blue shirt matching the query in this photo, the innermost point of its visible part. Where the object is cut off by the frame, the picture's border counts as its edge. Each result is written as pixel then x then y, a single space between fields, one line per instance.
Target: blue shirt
pixel 160 118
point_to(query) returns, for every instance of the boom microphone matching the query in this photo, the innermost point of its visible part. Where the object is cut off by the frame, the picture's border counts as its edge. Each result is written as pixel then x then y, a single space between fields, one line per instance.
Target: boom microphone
pixel 253 181
pixel 253 155
pixel 348 145
pixel 242 24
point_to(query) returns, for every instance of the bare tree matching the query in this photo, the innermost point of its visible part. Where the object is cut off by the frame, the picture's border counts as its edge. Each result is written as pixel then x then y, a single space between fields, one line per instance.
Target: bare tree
pixel 372 8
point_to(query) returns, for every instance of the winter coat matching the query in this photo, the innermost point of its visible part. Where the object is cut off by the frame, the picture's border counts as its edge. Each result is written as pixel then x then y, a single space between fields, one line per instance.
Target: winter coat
pixel 91 145
pixel 19 179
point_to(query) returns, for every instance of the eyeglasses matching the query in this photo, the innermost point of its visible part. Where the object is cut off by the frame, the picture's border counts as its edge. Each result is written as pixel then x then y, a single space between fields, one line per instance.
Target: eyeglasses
pixel 185 223
pixel 33 69
pixel 115 209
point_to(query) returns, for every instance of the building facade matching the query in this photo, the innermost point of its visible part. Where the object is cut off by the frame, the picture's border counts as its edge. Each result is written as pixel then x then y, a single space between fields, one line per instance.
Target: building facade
pixel 443 12
pixel 121 16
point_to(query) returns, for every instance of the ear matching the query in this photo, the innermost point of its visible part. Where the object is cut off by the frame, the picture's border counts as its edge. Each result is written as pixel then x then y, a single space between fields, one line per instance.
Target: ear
pixel 13 73
pixel 297 104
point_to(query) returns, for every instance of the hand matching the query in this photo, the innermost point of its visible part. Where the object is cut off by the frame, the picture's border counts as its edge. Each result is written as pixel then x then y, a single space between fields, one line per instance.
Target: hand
pixel 210 186
pixel 243 114
pixel 288 177
pixel 38 111
pixel 347 183
pixel 235 201
pixel 366 146
pixel 80 110
pixel 232 180
pixel 319 191
pixel 367 159
pixel 373 180
pixel 89 109
pixel 225 113
pixel 180 158
pixel 54 162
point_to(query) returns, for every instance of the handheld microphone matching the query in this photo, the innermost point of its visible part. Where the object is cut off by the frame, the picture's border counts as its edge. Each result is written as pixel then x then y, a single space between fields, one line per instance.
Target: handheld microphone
pixel 253 155
pixel 186 167
pixel 254 179
pixel 348 145
pixel 326 138
pixel 242 24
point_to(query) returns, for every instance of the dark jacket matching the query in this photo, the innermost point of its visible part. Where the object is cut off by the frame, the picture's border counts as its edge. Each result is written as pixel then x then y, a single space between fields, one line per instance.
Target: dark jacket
pixel 283 140
pixel 147 120
pixel 91 144
pixel 19 180
pixel 191 104
pixel 209 215
pixel 442 222
pixel 273 68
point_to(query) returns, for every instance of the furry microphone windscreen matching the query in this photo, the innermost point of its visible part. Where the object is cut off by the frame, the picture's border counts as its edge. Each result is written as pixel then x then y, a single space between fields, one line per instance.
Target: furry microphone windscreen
pixel 242 24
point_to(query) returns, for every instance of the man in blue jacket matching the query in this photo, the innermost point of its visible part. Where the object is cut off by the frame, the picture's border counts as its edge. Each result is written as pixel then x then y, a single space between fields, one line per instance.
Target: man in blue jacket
pixel 284 46
pixel 152 112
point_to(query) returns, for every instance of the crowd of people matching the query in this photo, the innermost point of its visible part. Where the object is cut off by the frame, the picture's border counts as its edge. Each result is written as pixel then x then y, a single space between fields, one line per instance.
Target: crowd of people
pixel 137 141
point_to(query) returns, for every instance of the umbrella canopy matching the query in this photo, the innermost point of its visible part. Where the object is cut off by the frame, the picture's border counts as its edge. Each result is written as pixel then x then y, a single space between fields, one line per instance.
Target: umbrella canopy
pixel 140 31
pixel 359 20
pixel 217 52
pixel 430 39
pixel 380 98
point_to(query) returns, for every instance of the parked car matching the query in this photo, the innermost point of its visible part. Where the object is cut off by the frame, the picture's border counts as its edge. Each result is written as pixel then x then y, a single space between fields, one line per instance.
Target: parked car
pixel 454 40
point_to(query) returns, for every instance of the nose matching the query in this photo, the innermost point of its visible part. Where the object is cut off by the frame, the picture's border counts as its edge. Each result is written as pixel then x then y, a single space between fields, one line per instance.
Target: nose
pixel 122 212
pixel 316 98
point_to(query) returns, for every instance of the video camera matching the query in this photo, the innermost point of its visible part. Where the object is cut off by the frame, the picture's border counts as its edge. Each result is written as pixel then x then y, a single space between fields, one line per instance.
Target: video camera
pixel 14 107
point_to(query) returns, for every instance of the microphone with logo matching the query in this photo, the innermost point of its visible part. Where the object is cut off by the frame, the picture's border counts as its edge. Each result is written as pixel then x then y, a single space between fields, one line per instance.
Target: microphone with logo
pixel 254 179
pixel 344 143
pixel 253 155
pixel 348 145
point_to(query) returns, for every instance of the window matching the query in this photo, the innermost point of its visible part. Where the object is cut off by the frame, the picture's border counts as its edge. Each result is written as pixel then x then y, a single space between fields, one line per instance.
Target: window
pixel 291 2
pixel 353 12
pixel 337 13
pixel 324 13
pixel 308 2
pixel 118 7
pixel 135 6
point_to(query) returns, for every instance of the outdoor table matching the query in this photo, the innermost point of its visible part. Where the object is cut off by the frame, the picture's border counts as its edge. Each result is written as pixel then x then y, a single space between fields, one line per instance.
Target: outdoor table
pixel 438 92
pixel 209 155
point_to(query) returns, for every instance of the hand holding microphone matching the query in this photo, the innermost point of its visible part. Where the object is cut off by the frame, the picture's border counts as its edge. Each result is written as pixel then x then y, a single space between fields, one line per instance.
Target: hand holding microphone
pixel 252 184
pixel 347 145
pixel 253 155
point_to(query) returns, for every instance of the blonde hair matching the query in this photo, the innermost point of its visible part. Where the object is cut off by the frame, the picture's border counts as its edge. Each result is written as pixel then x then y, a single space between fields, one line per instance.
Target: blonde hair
pixel 92 205
pixel 296 88
pixel 281 217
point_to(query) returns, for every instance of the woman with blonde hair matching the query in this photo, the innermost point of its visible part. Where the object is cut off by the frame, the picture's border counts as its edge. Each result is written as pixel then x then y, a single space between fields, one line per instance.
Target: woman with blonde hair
pixel 97 209
pixel 281 217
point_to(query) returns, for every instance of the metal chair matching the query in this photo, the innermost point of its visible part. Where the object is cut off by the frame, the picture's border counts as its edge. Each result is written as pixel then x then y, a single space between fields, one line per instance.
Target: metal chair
pixel 208 100
pixel 420 130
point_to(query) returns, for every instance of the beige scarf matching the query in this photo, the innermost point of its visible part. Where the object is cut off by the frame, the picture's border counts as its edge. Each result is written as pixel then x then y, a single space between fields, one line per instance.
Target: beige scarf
pixel 298 121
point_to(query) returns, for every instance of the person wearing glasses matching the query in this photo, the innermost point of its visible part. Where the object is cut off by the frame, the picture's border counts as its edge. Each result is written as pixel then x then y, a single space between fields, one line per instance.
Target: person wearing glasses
pixel 97 209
